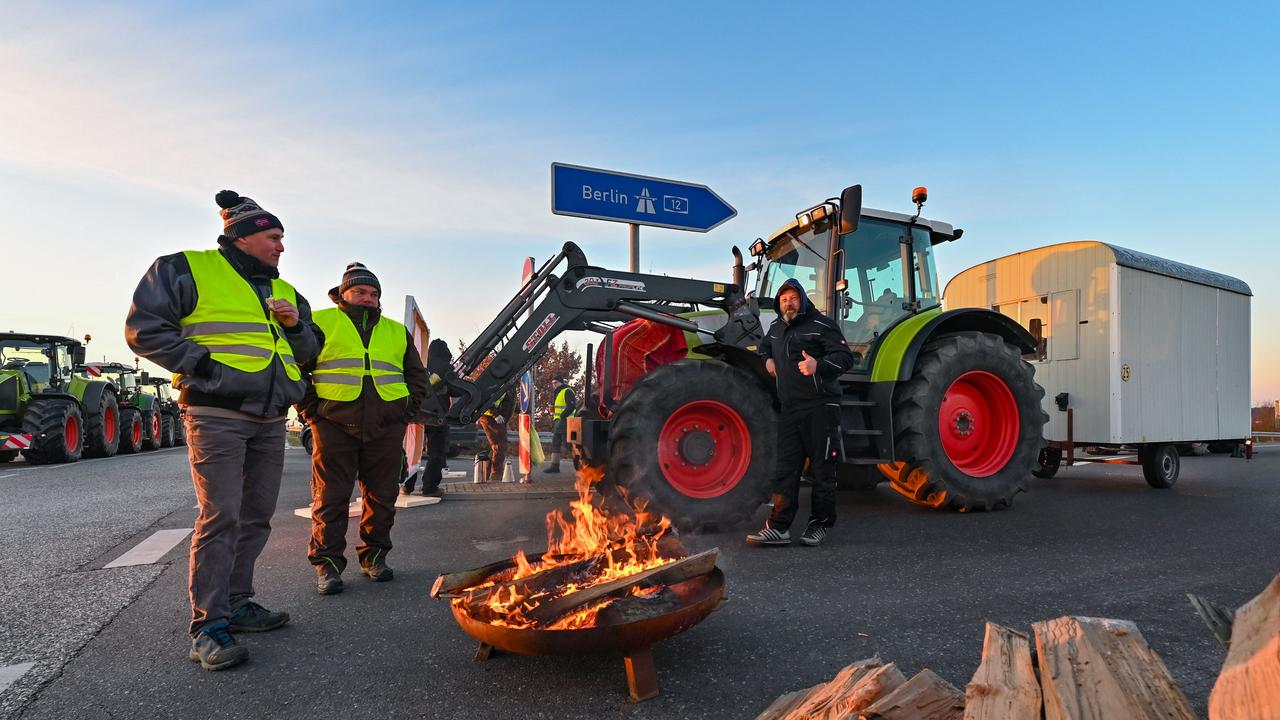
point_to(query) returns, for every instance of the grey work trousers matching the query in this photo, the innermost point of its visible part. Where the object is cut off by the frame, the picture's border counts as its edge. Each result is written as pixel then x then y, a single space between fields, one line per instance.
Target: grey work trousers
pixel 235 466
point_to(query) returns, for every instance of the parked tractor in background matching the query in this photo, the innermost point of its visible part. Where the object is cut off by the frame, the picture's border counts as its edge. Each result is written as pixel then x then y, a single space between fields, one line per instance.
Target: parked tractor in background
pixel 681 412
pixel 48 412
pixel 172 431
pixel 141 423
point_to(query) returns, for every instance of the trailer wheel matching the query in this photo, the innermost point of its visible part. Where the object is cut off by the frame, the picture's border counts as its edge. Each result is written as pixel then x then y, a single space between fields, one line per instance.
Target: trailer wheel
pixel 695 441
pixel 969 424
pixel 57 431
pixel 1160 465
pixel 130 431
pixel 102 427
pixel 151 422
pixel 1049 461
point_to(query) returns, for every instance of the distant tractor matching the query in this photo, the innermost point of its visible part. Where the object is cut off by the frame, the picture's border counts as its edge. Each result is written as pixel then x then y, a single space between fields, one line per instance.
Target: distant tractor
pixel 141 422
pixel 48 412
pixel 172 432
pixel 681 412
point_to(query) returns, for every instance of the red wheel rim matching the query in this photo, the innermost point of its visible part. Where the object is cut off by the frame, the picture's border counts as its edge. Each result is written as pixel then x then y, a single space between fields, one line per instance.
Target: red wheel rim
pixel 135 432
pixel 71 434
pixel 978 422
pixel 109 425
pixel 704 449
pixel 155 426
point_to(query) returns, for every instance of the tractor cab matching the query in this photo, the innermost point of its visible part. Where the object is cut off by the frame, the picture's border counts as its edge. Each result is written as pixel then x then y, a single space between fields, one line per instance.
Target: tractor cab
pixel 853 262
pixel 38 363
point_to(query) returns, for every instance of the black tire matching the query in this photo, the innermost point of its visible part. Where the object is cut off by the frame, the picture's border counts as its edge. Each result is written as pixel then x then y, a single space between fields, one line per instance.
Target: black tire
pixel 1048 462
pixel 166 430
pixel 927 474
pixel 664 400
pixel 131 432
pixel 152 427
pixel 8 456
pixel 1160 465
pixel 57 431
pixel 102 427
pixel 861 478
pixel 179 430
pixel 307 443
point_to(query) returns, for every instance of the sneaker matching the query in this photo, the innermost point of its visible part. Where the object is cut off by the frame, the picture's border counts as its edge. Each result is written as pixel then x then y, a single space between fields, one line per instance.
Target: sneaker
pixel 328 580
pixel 378 571
pixel 252 617
pixel 813 534
pixel 215 649
pixel 770 536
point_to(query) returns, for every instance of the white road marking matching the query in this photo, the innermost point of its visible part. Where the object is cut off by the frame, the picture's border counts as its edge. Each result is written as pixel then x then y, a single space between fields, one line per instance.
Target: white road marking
pixel 10 674
pixel 8 476
pixel 152 549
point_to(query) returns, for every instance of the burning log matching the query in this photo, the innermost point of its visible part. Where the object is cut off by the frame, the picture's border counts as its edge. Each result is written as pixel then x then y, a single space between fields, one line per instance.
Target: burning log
pixel 668 574
pixel 1096 668
pixel 1005 685
pixel 1249 684
pixel 924 697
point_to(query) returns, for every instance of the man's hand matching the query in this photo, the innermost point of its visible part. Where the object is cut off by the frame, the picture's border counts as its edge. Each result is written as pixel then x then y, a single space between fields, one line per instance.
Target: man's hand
pixel 499 419
pixel 808 365
pixel 768 365
pixel 284 311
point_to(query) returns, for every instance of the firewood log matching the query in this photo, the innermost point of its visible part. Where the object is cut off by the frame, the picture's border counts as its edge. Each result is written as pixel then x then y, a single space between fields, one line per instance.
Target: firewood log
pixel 1005 686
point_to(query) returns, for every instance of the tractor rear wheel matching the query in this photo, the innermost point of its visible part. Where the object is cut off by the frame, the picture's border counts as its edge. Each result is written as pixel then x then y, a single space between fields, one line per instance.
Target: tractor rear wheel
pixel 57 431
pixel 694 440
pixel 130 431
pixel 969 424
pixel 102 427
pixel 166 430
pixel 153 426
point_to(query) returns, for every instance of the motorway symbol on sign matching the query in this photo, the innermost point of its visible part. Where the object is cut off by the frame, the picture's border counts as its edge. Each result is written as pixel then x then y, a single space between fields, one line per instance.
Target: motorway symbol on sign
pixel 623 197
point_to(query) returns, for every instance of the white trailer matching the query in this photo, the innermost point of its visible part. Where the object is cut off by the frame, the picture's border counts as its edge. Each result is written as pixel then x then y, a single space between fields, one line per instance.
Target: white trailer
pixel 1134 350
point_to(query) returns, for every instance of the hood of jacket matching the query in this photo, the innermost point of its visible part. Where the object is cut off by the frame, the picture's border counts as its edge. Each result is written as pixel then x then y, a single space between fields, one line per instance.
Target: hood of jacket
pixel 792 284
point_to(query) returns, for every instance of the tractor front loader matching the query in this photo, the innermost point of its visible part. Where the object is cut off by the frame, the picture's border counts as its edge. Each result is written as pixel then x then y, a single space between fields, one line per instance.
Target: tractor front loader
pixel 681 413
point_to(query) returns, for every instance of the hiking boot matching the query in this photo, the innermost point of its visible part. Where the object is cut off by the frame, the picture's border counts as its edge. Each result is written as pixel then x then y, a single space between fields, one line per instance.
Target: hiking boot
pixel 215 649
pixel 328 580
pixel 770 536
pixel 813 534
pixel 378 571
pixel 252 617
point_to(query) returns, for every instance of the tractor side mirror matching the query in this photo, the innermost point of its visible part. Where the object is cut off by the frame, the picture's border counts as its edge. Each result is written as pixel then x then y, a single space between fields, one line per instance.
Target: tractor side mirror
pixel 77 355
pixel 850 209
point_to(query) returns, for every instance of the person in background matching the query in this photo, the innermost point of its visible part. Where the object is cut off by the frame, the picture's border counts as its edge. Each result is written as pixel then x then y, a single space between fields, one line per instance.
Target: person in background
pixel 435 437
pixel 366 385
pixel 494 423
pixel 234 334
pixel 562 410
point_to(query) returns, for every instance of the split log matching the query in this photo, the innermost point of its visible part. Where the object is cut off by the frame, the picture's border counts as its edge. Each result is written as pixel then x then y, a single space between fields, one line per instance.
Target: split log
pixel 448 585
pixel 831 700
pixel 669 574
pixel 1092 668
pixel 782 707
pixel 1219 618
pixel 1249 684
pixel 924 697
pixel 1005 685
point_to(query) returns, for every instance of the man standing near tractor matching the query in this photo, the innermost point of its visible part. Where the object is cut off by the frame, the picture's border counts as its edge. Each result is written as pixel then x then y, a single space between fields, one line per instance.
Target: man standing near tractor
pixel 367 383
pixel 234 335
pixel 494 424
pixel 807 353
pixel 565 403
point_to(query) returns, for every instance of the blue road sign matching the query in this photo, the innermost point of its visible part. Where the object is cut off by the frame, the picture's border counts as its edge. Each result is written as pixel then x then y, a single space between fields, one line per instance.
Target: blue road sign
pixel 623 197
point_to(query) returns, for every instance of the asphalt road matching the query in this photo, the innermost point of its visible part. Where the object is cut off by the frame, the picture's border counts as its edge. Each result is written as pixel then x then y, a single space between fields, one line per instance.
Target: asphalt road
pixel 913 585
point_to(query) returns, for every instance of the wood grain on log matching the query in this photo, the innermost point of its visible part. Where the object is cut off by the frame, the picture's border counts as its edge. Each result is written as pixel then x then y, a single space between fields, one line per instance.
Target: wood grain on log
pixel 669 574
pixel 1249 684
pixel 1005 686
pixel 924 697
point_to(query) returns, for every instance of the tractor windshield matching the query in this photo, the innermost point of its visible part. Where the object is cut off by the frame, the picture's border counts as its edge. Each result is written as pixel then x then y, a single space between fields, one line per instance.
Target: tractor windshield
pixel 29 357
pixel 872 265
pixel 802 257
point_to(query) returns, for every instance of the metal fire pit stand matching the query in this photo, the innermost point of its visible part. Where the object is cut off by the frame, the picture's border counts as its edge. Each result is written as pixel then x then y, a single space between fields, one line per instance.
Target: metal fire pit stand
pixel 642 674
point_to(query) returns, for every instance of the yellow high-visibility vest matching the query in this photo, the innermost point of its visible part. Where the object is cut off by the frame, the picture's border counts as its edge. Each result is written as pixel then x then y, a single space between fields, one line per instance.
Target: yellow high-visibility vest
pixel 562 404
pixel 345 362
pixel 232 321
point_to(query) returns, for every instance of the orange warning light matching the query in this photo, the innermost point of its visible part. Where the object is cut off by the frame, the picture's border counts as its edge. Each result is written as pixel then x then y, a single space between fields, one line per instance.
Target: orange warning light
pixel 920 195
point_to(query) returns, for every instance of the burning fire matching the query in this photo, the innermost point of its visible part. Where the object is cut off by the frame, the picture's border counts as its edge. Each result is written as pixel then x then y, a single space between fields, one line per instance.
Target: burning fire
pixel 592 544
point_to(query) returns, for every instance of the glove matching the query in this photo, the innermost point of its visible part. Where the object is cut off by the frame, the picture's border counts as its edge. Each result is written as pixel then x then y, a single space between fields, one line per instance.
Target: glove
pixel 499 419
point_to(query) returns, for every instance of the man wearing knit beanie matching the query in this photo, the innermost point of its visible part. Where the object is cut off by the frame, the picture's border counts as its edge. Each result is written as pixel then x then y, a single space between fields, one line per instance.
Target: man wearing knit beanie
pixel 235 336
pixel 366 385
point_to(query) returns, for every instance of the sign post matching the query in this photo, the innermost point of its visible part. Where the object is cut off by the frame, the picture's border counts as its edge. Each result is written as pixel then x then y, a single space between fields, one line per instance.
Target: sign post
pixel 636 200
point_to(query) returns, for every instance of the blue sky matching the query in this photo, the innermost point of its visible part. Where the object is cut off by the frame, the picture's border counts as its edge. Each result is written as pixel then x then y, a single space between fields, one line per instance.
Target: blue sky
pixel 417 137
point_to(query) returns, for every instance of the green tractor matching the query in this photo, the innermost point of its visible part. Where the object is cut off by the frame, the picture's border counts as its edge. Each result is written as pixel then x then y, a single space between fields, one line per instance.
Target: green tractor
pixel 142 420
pixel 48 412
pixel 172 432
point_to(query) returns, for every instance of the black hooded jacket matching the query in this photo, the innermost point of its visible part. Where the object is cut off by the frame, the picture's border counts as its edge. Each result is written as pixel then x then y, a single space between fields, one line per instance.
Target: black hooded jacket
pixel 813 333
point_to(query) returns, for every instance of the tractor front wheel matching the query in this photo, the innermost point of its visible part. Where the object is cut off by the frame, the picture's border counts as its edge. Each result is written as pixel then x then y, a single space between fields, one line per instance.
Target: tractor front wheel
pixel 154 426
pixel 102 427
pixel 969 424
pixel 57 431
pixel 694 440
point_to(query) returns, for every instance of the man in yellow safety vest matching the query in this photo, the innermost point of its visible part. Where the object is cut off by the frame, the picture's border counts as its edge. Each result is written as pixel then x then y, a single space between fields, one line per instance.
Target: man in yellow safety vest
pixel 366 385
pixel 234 335
pixel 564 408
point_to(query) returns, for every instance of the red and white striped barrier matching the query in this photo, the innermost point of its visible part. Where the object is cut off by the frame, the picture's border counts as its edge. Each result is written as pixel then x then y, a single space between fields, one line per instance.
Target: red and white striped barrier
pixel 14 442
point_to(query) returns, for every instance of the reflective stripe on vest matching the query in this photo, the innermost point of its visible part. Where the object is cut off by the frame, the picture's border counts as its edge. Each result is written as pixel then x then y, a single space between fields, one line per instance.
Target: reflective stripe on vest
pixel 342 367
pixel 232 321
pixel 562 403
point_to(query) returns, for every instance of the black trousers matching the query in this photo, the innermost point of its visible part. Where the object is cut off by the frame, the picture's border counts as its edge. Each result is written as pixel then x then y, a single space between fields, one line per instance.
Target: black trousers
pixel 811 435
pixel 339 462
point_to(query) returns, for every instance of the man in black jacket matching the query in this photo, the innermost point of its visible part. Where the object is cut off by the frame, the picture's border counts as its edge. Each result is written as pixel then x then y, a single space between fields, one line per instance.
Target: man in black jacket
pixel 806 352
pixel 435 436
pixel 234 335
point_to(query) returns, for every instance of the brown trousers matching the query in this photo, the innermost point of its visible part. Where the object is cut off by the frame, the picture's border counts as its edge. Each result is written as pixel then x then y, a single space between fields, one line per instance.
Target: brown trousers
pixel 496 432
pixel 339 461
